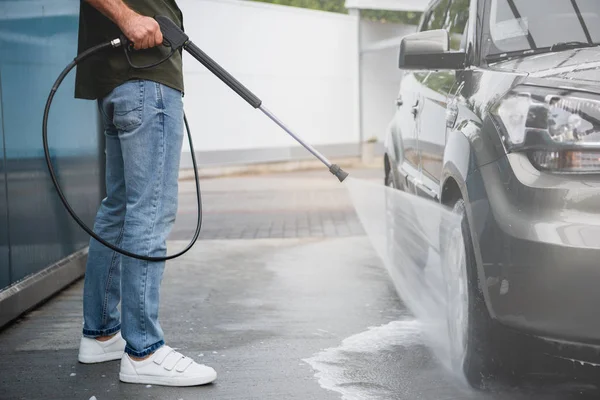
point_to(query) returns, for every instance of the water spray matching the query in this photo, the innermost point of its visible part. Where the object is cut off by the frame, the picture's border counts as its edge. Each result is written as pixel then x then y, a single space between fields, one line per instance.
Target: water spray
pixel 413 238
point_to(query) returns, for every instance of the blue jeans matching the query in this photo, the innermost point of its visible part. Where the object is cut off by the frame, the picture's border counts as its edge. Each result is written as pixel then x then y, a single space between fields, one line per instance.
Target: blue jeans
pixel 144 132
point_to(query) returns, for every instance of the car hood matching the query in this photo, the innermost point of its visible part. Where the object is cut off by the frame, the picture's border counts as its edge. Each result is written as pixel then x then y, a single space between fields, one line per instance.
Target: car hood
pixel 578 66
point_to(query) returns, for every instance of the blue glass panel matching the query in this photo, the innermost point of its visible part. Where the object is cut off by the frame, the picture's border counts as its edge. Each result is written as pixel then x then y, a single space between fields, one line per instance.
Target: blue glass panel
pixel 38 38
pixel 4 255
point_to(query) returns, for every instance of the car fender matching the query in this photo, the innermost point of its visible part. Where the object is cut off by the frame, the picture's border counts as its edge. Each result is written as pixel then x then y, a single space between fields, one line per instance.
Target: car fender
pixel 460 166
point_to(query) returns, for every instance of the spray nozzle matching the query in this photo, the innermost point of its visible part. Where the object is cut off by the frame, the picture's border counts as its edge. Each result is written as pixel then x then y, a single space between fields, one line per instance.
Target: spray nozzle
pixel 338 172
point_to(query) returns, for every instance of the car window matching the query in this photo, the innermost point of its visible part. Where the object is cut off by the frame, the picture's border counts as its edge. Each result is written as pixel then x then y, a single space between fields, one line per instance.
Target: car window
pixel 421 76
pixel 441 82
pixel 436 17
pixel 456 22
pixel 518 25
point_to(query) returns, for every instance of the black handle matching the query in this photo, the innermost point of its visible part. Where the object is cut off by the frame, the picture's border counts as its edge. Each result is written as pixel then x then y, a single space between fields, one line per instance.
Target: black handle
pixel 174 37
pixel 223 75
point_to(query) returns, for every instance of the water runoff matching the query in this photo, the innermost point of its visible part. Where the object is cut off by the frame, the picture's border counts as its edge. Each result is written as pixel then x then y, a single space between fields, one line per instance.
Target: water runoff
pixel 420 243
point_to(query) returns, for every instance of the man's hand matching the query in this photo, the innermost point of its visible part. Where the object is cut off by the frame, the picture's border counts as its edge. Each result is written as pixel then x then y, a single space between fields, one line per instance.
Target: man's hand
pixel 143 32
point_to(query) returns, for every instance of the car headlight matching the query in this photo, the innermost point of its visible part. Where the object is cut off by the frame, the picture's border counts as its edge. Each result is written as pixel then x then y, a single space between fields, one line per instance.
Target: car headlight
pixel 560 130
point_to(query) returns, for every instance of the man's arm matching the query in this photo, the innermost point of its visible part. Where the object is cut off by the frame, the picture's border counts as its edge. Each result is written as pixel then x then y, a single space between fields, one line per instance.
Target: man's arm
pixel 144 32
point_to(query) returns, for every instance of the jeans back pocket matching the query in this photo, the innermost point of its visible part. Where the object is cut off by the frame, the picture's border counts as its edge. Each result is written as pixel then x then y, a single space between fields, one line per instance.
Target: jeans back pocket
pixel 128 105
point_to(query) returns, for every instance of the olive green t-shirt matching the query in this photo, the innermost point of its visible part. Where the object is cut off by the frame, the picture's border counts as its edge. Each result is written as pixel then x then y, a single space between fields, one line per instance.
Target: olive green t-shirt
pixel 100 74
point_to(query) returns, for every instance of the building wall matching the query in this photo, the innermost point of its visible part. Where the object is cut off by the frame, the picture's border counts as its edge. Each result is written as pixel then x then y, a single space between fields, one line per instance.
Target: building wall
pixel 380 75
pixel 38 38
pixel 301 63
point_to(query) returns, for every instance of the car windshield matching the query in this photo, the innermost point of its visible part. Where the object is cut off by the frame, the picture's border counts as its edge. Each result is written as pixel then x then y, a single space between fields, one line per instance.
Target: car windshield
pixel 515 26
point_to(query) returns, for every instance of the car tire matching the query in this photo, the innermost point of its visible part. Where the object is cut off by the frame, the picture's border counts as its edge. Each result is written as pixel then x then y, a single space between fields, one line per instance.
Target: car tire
pixel 477 358
pixel 389 179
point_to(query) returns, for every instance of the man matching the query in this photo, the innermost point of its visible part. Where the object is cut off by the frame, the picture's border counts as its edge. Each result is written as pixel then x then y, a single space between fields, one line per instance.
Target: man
pixel 142 111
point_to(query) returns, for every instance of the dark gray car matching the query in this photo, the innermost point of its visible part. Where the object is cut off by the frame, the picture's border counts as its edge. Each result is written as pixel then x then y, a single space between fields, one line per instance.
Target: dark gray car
pixel 499 118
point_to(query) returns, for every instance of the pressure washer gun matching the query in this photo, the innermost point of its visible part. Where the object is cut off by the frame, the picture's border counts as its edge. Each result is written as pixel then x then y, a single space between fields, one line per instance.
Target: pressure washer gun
pixel 175 38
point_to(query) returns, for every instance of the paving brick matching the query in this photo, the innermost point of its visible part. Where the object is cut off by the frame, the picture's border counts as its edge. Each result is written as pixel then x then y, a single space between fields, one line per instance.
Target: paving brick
pixel 343 230
pixel 328 231
pixel 268 207
pixel 262 234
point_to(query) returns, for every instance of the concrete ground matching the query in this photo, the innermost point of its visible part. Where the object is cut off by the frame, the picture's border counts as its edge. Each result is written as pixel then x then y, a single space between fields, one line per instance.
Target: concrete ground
pixel 284 296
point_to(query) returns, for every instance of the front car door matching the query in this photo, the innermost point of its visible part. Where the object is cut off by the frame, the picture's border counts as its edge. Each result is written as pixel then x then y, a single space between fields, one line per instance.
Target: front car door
pixel 405 125
pixel 436 93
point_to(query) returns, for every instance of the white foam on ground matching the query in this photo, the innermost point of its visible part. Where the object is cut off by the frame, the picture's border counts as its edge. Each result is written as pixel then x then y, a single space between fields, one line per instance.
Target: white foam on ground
pixel 329 363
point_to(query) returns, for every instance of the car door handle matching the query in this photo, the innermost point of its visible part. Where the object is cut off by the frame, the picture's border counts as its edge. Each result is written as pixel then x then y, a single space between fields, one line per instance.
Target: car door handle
pixel 415 109
pixel 399 102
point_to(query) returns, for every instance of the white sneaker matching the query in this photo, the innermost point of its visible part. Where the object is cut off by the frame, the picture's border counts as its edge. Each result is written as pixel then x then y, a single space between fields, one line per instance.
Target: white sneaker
pixel 94 351
pixel 165 367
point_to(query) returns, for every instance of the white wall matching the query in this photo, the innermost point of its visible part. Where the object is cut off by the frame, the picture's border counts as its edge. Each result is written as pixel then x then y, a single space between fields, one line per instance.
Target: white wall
pixel 302 63
pixel 380 75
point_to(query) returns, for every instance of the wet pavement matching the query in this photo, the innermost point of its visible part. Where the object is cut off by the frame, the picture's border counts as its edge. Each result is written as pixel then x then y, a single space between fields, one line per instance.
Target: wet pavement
pixel 308 314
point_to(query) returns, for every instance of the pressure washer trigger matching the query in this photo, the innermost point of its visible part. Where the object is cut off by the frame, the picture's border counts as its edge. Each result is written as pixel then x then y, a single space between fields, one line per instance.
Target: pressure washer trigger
pixel 172 34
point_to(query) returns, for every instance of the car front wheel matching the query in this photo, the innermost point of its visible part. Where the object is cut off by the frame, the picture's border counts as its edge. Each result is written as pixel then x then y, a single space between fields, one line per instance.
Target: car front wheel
pixel 468 321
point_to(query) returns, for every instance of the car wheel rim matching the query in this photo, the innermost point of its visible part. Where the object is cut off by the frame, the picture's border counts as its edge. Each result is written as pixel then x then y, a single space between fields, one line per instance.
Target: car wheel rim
pixel 458 298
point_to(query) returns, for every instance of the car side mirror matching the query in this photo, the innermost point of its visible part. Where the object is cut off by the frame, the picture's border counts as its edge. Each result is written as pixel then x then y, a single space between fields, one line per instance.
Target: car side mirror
pixel 429 50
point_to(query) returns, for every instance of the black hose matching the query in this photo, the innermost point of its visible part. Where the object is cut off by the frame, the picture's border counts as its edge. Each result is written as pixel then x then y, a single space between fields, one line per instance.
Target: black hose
pixel 82 224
